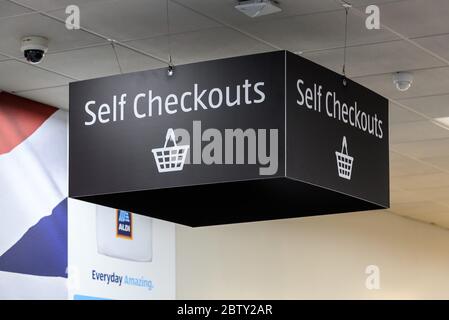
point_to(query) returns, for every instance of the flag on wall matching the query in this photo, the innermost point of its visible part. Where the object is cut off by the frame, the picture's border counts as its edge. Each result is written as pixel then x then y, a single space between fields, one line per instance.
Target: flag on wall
pixel 33 200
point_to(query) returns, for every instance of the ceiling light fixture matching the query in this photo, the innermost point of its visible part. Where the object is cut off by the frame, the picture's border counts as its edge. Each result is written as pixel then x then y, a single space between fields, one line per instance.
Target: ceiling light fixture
pixel 443 122
pixel 403 80
pixel 257 8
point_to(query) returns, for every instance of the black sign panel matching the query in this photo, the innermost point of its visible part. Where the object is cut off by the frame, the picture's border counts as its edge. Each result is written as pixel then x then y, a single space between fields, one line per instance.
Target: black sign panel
pixel 337 135
pixel 231 140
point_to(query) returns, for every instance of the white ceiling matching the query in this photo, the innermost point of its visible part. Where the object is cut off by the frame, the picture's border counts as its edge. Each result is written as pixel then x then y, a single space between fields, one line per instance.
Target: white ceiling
pixel 414 36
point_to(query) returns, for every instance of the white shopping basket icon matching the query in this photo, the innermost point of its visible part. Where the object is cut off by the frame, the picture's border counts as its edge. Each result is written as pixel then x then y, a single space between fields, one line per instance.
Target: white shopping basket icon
pixel 170 159
pixel 344 161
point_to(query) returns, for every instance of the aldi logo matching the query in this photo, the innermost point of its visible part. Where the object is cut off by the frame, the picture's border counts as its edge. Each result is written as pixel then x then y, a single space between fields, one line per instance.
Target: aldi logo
pixel 124 224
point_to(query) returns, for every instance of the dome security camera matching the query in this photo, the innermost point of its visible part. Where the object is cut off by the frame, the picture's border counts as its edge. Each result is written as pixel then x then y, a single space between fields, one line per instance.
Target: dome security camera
pixel 402 80
pixel 34 48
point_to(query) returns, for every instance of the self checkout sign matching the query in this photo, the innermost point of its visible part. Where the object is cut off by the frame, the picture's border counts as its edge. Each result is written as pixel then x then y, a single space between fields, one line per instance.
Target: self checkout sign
pixel 249 138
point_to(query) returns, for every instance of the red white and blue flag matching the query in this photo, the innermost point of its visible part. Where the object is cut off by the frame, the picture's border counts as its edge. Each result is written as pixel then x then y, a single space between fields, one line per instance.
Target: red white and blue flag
pixel 33 200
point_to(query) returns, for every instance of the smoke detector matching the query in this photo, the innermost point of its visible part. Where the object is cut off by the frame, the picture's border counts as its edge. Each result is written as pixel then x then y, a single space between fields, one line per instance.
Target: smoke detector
pixel 257 8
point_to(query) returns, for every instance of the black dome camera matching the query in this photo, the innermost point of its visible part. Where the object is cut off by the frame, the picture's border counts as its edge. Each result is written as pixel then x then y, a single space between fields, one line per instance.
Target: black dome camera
pixel 34 48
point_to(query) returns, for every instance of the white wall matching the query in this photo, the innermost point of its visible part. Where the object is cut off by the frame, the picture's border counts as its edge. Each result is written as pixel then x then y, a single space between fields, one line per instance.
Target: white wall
pixel 314 258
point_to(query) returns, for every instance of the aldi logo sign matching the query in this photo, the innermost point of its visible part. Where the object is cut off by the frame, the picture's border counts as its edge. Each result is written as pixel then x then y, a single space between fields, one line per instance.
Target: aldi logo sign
pixel 124 224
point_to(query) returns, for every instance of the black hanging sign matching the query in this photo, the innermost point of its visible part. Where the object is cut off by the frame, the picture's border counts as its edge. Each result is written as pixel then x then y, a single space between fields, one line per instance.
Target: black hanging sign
pixel 250 138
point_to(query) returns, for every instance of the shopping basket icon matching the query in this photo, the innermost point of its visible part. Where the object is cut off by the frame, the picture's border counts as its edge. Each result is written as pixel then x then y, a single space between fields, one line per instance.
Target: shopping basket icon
pixel 170 159
pixel 344 161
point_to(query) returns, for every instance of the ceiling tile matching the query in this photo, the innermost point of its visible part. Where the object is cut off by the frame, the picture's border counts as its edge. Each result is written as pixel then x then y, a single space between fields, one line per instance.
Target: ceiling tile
pixel 398 114
pixel 379 58
pixel 423 149
pixel 224 9
pixel 437 218
pixel 47 5
pixel 432 106
pixel 445 202
pixel 202 45
pixel 362 3
pixel 440 195
pixel 440 162
pixel 132 61
pixel 318 31
pixel 437 44
pixel 26 77
pixel 13 29
pixel 406 196
pixel 403 166
pixel 78 63
pixel 416 131
pixel 422 181
pixel 134 19
pixel 8 9
pixel 419 208
pixel 440 219
pixel 3 58
pixel 415 18
pixel 57 97
pixel 331 59
pixel 425 82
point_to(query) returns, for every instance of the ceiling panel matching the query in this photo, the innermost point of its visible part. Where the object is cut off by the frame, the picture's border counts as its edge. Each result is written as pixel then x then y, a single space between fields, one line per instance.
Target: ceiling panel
pixel 363 3
pixel 440 219
pixel 440 195
pixel 437 218
pixel 441 162
pixel 78 63
pixel 438 44
pixel 132 61
pixel 10 9
pixel 13 29
pixel 415 18
pixel 135 19
pixel 318 31
pixel 419 208
pixel 375 58
pixel 423 149
pixel 202 45
pixel 21 76
pixel 57 97
pixel 426 82
pixel 224 9
pixel 331 59
pixel 400 196
pixel 444 202
pixel 3 58
pixel 47 5
pixel 416 131
pixel 432 106
pixel 398 114
pixel 422 181
pixel 404 166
